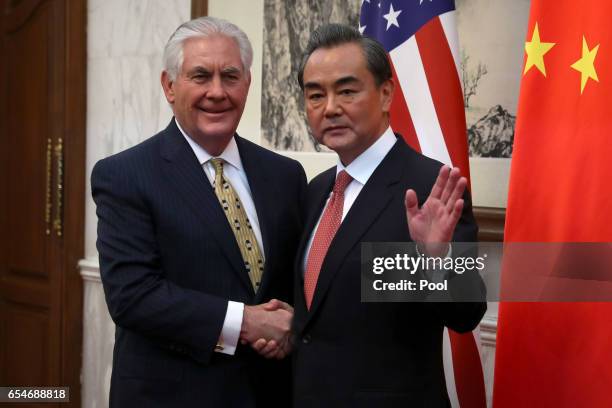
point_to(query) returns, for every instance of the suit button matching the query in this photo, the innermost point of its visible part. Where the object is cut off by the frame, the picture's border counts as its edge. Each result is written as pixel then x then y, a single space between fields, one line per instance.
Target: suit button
pixel 306 339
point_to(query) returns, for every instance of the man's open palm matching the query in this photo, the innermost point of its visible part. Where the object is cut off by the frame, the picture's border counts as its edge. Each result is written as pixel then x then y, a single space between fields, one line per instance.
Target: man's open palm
pixel 432 225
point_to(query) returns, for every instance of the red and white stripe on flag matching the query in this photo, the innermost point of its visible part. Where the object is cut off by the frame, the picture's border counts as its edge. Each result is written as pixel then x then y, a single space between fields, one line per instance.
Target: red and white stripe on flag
pixel 428 111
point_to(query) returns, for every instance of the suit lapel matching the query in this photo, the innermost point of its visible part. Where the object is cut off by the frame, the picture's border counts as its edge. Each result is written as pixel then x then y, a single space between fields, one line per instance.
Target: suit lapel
pixel 186 175
pixel 376 194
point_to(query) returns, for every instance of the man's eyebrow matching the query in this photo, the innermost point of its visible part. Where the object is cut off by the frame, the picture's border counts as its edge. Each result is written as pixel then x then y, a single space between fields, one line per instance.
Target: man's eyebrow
pixel 312 85
pixel 198 70
pixel 342 81
pixel 231 70
pixel 346 80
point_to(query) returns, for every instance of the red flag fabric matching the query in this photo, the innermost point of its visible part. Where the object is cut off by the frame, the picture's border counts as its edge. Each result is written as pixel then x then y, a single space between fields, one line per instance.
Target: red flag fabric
pixel 558 354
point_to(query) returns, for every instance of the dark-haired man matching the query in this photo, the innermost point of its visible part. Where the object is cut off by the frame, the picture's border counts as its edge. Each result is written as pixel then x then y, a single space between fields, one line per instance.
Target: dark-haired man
pixel 348 353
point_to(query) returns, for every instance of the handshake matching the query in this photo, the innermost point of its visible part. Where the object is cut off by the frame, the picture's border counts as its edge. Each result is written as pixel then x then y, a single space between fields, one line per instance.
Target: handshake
pixel 267 328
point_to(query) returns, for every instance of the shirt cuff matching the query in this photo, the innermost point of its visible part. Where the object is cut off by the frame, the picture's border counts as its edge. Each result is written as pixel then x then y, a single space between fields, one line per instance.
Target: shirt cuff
pixel 437 276
pixel 449 253
pixel 230 333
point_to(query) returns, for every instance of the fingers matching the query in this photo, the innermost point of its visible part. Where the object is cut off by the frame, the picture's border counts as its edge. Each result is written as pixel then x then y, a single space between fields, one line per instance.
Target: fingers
pixel 271 305
pixel 271 349
pixel 283 350
pixel 440 184
pixel 272 352
pixel 275 304
pixel 260 345
pixel 412 204
pixel 456 194
pixel 456 214
pixel 277 353
pixel 449 187
pixel 268 349
pixel 279 304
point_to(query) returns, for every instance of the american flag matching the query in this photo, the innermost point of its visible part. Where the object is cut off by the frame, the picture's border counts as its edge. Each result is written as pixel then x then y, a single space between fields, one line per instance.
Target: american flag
pixel 421 39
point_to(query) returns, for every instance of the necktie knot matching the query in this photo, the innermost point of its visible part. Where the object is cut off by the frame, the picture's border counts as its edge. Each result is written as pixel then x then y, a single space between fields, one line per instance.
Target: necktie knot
pixel 342 181
pixel 217 163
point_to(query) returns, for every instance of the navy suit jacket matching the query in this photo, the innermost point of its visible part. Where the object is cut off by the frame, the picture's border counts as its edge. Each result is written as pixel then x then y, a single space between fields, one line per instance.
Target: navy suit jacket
pixel 169 264
pixel 351 354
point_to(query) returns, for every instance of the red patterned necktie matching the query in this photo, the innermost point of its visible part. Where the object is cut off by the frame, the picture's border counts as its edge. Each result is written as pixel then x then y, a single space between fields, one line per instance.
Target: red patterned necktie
pixel 329 224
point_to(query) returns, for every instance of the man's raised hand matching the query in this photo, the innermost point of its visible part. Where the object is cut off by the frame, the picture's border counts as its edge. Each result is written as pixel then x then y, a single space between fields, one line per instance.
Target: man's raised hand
pixel 432 225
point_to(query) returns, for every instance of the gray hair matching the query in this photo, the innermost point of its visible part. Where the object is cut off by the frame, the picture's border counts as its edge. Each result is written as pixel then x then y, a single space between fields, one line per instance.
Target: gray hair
pixel 332 35
pixel 204 27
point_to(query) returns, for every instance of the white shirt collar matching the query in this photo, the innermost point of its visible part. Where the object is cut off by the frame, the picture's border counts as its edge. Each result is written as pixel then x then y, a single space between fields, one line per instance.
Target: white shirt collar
pixel 364 165
pixel 230 155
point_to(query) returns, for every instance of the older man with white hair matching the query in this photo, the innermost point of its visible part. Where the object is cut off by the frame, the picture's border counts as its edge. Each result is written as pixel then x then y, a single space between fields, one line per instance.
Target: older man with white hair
pixel 197 230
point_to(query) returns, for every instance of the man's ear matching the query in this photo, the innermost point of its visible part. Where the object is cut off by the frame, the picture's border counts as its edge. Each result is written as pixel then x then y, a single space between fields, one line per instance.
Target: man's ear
pixel 168 86
pixel 387 90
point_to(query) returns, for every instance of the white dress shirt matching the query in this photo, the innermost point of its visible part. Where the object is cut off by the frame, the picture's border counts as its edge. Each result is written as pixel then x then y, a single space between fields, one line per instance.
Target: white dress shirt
pixel 360 170
pixel 235 174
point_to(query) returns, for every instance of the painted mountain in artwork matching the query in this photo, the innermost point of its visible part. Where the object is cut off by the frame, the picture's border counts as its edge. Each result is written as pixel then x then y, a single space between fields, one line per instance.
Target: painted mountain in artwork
pixel 493 134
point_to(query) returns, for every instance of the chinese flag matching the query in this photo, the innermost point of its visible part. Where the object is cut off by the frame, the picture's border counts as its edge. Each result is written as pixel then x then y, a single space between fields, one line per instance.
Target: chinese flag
pixel 560 354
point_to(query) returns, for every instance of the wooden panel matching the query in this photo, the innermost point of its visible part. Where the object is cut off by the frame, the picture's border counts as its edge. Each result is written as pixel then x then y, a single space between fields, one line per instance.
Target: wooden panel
pixel 27 130
pixel 18 12
pixel 490 223
pixel 25 351
pixel 199 8
pixel 30 274
pixel 73 242
pixel 4 155
pixel 16 289
pixel 42 96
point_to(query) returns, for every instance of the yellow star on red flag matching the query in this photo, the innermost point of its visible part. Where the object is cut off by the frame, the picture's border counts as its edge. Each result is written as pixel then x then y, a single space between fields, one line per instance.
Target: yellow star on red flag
pixel 586 64
pixel 536 49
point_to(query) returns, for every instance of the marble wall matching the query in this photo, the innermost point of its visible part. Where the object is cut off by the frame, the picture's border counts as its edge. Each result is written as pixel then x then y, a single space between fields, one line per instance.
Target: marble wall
pixel 98 340
pixel 125 105
pixel 125 102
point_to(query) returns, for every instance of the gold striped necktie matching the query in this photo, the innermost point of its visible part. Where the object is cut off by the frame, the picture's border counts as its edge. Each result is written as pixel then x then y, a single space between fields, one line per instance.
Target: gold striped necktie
pixel 240 224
